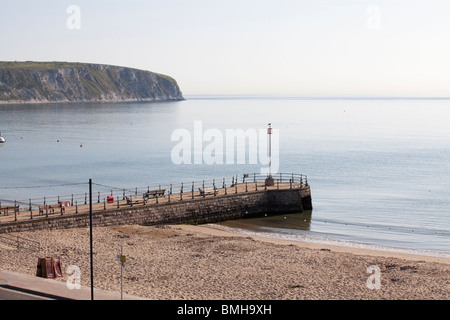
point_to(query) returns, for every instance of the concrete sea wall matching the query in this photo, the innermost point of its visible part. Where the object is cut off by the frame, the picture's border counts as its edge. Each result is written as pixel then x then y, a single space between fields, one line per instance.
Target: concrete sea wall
pixel 193 211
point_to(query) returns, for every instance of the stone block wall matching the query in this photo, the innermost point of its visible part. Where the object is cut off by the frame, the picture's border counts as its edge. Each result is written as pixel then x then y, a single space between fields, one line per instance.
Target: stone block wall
pixel 193 211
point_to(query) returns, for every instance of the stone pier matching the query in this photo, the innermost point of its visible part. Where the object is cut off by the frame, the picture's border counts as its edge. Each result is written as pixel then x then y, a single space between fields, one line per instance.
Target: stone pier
pixel 235 203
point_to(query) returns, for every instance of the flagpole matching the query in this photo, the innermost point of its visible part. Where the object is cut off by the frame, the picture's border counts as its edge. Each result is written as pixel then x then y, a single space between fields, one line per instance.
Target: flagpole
pixel 269 133
pixel 269 180
pixel 90 236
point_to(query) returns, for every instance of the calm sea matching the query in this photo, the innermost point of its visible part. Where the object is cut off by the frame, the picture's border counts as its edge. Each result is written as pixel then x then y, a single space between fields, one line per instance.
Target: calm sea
pixel 379 169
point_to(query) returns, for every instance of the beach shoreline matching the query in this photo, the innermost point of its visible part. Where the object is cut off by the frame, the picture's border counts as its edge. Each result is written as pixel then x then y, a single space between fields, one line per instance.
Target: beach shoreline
pixel 213 230
pixel 202 262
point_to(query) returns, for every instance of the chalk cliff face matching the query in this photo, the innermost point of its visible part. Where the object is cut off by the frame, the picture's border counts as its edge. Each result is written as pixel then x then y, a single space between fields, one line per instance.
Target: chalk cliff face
pixel 44 82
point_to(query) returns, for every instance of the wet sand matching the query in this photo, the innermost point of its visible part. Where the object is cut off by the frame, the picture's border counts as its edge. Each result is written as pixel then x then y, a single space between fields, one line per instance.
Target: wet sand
pixel 203 262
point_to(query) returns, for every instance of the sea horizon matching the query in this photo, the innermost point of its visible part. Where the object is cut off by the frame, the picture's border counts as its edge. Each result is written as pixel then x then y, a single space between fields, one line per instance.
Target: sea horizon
pixel 311 97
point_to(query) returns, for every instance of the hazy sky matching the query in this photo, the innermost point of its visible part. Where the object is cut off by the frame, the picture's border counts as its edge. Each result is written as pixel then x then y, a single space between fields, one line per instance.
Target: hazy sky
pixel 295 47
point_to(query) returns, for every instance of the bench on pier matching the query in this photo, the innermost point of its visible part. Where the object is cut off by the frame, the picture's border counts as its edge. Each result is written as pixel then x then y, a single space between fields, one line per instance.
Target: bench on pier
pixel 50 208
pixel 7 210
pixel 131 201
pixel 155 193
pixel 207 191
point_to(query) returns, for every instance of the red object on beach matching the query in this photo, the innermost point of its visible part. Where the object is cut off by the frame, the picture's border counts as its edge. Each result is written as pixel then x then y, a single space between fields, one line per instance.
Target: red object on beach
pixel 110 199
pixel 57 267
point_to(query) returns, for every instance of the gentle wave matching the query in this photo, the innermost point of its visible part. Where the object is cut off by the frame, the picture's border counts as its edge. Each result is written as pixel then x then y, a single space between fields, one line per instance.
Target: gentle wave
pixel 323 240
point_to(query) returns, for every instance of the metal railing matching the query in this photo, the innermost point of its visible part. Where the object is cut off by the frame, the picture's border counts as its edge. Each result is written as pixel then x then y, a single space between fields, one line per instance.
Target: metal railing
pixel 109 196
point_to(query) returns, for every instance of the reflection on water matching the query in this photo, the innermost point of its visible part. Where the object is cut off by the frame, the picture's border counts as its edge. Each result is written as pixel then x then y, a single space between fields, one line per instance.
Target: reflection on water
pixel 291 221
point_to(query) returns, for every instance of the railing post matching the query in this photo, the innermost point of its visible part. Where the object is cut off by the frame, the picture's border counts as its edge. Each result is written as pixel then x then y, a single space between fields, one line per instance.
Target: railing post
pixel 31 210
pixel 98 200
pixel 203 186
pixel 181 192
pixel 192 189
pixel 76 207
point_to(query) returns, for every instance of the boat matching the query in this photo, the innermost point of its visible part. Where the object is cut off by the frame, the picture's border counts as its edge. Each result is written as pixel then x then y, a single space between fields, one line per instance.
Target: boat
pixel 2 140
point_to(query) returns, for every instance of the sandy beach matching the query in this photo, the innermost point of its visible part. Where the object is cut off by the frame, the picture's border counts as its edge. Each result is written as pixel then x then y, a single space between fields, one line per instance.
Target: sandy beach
pixel 203 262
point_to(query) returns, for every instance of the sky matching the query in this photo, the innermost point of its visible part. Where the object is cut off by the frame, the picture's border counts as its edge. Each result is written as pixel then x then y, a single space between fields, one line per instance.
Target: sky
pixel 257 47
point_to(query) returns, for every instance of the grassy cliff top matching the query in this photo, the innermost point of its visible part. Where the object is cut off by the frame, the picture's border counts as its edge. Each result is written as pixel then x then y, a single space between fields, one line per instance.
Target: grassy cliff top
pixel 39 65
pixel 54 65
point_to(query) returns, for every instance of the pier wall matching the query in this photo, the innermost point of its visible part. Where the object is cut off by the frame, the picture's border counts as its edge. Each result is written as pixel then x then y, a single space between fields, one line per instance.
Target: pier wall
pixel 193 211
